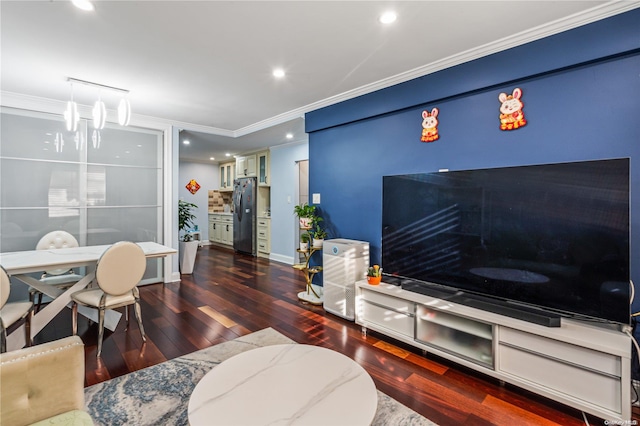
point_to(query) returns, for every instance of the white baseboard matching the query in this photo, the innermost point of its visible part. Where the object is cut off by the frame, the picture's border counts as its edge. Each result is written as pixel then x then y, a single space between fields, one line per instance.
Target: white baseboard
pixel 281 258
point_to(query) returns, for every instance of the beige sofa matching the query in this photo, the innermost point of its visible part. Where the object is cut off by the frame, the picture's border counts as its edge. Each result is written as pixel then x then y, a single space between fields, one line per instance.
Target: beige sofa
pixel 44 383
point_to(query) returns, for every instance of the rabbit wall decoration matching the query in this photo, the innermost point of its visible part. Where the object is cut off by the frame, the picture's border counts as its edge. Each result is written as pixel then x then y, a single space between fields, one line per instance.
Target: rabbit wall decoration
pixel 430 126
pixel 511 114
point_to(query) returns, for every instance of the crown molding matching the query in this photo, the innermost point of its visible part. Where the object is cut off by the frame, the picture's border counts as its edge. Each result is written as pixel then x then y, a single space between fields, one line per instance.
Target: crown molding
pixel 299 141
pixel 273 121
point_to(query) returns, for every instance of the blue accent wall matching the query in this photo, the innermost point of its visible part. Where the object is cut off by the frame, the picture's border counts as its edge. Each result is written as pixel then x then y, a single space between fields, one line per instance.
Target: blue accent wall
pixel 581 95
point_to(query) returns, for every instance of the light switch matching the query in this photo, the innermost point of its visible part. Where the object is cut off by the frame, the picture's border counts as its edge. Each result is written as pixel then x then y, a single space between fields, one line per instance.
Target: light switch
pixel 316 198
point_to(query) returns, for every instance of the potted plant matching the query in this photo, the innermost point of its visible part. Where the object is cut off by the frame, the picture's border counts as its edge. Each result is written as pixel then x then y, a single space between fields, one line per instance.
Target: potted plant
pixel 304 241
pixel 374 274
pixel 319 235
pixel 188 247
pixel 306 214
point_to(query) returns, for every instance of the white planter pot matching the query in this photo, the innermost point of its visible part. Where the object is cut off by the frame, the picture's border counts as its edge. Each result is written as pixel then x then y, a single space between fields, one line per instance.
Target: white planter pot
pixel 317 243
pixel 305 222
pixel 304 246
pixel 188 252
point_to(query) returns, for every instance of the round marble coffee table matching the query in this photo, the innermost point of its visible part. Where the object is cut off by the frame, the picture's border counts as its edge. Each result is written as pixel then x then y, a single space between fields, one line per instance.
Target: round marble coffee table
pixel 285 384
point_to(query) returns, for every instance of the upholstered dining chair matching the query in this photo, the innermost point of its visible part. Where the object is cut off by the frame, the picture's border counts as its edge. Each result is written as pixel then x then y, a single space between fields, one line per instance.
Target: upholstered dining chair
pixel 118 272
pixel 12 313
pixel 62 278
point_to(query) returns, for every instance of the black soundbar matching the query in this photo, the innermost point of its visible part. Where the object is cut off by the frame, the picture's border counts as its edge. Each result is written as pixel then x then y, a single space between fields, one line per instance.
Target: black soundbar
pixel 524 313
pixel 507 309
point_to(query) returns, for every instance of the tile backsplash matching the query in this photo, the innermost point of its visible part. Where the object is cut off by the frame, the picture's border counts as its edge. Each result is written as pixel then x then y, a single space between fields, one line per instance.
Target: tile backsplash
pixel 217 201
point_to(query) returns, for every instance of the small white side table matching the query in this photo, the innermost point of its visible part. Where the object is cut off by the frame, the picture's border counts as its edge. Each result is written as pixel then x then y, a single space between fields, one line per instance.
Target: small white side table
pixel 285 384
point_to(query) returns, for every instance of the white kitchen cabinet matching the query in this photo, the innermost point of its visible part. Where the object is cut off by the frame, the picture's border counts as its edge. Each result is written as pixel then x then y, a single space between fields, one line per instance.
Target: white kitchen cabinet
pixel 246 166
pixel 264 236
pixel 221 229
pixel 212 228
pixel 226 229
pixel 263 168
pixel 227 176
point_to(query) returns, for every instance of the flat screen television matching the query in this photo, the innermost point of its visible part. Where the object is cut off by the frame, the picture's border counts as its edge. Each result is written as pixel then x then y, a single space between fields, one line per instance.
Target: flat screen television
pixel 553 237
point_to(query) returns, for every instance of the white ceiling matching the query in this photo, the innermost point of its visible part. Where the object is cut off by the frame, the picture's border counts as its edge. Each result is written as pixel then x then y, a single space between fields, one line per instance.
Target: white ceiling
pixel 206 65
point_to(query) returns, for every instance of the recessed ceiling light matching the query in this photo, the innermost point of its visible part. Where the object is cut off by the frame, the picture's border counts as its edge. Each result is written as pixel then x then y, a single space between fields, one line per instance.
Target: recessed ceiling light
pixel 289 135
pixel 388 17
pixel 278 73
pixel 186 142
pixel 228 155
pixel 83 4
pixel 211 158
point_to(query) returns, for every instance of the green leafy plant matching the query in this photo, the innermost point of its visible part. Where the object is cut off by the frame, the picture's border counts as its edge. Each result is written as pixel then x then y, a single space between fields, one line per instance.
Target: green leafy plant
pixel 186 218
pixel 304 237
pixel 304 210
pixel 319 233
pixel 315 220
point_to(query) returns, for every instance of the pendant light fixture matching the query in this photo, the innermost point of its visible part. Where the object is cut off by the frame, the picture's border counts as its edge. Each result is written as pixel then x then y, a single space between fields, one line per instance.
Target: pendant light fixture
pixel 99 111
pixel 124 112
pixel 71 116
pixel 99 114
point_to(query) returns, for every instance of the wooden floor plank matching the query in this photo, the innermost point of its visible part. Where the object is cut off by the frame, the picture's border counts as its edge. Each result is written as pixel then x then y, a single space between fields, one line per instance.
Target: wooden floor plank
pixel 217 316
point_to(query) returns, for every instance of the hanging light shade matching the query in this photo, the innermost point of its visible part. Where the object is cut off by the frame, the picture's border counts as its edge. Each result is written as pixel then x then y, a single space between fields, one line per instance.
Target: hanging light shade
pixel 71 116
pixel 96 139
pixel 99 115
pixel 79 140
pixel 59 142
pixel 124 112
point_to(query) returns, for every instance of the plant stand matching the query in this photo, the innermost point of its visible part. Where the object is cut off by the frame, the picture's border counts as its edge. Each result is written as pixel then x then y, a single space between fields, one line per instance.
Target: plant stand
pixel 312 294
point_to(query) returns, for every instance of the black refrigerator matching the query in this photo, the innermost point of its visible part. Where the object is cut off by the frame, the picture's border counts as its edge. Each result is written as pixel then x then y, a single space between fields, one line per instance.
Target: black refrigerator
pixel 244 215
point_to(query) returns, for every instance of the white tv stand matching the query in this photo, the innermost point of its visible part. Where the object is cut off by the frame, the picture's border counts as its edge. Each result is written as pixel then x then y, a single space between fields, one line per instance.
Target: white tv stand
pixel 583 365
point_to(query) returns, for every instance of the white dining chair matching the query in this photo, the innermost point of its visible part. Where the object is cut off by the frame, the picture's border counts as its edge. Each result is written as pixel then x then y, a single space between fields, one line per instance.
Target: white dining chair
pixel 118 272
pixel 61 278
pixel 12 313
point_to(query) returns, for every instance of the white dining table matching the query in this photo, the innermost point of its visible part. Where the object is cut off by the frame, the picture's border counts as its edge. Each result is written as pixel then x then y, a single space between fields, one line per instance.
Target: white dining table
pixel 20 263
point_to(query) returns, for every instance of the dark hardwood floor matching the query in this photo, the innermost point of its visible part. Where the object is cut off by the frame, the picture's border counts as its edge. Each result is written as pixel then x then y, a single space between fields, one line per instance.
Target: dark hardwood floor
pixel 231 295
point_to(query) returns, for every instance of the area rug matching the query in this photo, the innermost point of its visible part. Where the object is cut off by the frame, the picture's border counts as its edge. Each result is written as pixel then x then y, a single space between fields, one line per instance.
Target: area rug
pixel 159 395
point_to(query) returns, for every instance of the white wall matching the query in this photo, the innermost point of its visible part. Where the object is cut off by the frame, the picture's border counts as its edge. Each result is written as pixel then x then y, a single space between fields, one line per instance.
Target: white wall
pixel 284 195
pixel 207 176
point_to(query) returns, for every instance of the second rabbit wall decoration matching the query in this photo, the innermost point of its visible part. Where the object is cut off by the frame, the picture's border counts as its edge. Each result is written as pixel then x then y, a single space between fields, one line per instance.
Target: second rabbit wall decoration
pixel 430 126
